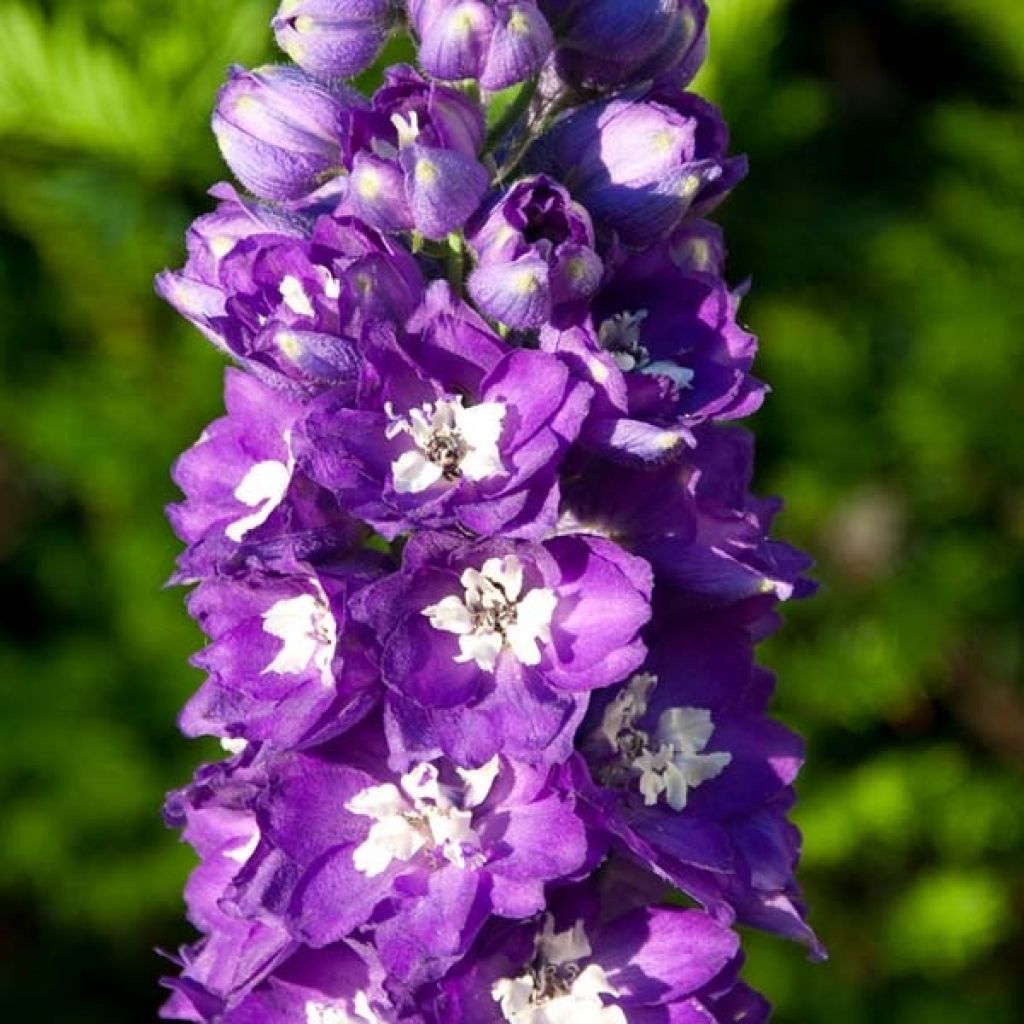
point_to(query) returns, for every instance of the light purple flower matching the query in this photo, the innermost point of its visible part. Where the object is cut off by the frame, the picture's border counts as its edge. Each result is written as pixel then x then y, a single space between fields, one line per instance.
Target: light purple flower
pixel 333 38
pixel 291 307
pixel 536 257
pixel 419 168
pixel 285 665
pixel 642 162
pixel 497 42
pixel 282 132
pixel 492 647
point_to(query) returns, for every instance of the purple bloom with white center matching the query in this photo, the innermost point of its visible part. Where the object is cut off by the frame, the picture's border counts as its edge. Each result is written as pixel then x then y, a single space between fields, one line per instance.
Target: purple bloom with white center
pixel 282 132
pixel 333 38
pixel 604 43
pixel 439 441
pixel 292 307
pixel 493 647
pixel 419 169
pixel 496 42
pixel 421 857
pixel 536 256
pixel 695 781
pixel 285 663
pixel 641 163
pixel 665 353
pixel 649 965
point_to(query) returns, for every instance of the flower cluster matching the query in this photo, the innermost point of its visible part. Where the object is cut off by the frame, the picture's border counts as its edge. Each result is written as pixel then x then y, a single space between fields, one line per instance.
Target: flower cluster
pixel 473 544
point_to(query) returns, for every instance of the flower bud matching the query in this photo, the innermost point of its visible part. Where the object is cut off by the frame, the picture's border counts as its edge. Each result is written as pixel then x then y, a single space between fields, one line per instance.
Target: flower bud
pixel 641 163
pixel 607 43
pixel 282 132
pixel 419 170
pixel 332 38
pixel 498 42
pixel 535 253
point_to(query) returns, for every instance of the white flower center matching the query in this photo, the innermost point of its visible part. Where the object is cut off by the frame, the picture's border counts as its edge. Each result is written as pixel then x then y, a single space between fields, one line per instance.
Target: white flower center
pixel 422 815
pixel 360 1012
pixel 309 633
pixel 494 614
pixel 670 763
pixel 262 488
pixel 620 337
pixel 452 442
pixel 295 297
pixel 555 989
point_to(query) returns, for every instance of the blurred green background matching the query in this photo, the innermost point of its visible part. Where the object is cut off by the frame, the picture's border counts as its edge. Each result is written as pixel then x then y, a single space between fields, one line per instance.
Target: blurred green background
pixel 884 226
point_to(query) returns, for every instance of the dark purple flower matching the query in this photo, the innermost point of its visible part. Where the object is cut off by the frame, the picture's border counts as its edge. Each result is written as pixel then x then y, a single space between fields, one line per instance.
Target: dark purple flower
pixel 640 163
pixel 605 43
pixel 333 38
pixel 283 133
pixel 693 520
pixel 291 307
pixel 535 255
pixel 497 42
pixel 438 441
pixel 492 647
pixel 419 169
pixel 695 781
pixel 665 353
pixel 651 965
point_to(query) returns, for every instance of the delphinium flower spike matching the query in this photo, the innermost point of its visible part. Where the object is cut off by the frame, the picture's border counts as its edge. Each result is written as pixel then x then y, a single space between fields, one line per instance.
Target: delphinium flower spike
pixel 473 543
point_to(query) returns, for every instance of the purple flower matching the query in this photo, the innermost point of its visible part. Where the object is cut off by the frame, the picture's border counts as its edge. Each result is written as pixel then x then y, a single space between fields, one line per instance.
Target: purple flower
pixel 435 442
pixel 498 42
pixel 665 353
pixel 234 954
pixel 285 663
pixel 492 647
pixel 419 169
pixel 650 965
pixel 421 857
pixel 535 254
pixel 640 163
pixel 695 781
pixel 604 43
pixel 693 520
pixel 291 307
pixel 283 133
pixel 333 38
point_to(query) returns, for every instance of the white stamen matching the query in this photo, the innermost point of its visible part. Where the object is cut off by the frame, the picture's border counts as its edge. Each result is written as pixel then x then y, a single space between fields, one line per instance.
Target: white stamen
pixel 233 744
pixel 407 127
pixel 556 990
pixel 492 616
pixel 360 1012
pixel 295 297
pixel 262 488
pixel 670 764
pixel 452 442
pixel 309 631
pixel 245 848
pixel 422 815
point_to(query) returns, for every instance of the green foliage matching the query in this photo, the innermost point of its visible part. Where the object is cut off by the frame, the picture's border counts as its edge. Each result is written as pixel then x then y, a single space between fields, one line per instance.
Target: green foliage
pixel 884 224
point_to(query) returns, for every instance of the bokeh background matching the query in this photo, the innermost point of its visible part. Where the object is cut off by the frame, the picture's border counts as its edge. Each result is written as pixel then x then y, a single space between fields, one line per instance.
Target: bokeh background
pixel 883 225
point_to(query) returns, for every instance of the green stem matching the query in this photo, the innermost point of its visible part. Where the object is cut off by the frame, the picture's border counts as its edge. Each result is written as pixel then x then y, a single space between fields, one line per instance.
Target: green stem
pixel 513 112
pixel 456 261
